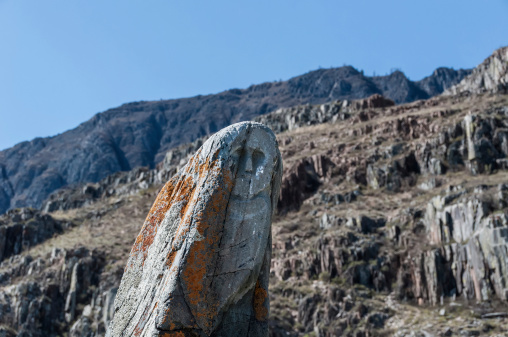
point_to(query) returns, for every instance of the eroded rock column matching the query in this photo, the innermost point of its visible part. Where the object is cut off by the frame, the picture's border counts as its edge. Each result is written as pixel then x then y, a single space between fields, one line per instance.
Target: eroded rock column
pixel 200 265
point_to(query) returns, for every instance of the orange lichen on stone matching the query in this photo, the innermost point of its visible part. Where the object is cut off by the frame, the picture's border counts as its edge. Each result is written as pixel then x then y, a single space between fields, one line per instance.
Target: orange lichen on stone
pixel 170 258
pixel 144 318
pixel 208 224
pixel 176 190
pixel 200 260
pixel 186 191
pixel 161 205
pixel 260 296
pixel 206 167
pixel 195 272
pixel 172 334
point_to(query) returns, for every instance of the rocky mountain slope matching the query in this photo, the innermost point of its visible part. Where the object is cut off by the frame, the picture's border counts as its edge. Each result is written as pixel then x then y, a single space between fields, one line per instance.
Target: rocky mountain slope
pixel 139 134
pixel 392 221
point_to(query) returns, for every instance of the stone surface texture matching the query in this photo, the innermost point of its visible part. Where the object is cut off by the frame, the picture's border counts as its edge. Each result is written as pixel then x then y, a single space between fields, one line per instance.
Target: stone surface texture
pixel 474 242
pixel 491 75
pixel 201 262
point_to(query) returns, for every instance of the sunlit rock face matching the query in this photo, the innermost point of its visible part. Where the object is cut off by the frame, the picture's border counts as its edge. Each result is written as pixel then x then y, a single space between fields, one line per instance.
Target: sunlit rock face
pixel 200 265
pixel 491 75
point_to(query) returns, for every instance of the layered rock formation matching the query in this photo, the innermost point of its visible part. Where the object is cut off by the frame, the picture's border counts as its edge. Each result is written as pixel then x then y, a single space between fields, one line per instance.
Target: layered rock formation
pixel 200 264
pixel 474 241
pixel 491 75
pixel 43 296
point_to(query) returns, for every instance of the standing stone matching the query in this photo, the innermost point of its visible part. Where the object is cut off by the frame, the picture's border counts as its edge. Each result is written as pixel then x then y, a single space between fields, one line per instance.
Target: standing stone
pixel 200 265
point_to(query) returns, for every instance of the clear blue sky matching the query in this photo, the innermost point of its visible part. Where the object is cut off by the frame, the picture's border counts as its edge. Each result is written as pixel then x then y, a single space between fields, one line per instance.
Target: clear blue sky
pixel 62 61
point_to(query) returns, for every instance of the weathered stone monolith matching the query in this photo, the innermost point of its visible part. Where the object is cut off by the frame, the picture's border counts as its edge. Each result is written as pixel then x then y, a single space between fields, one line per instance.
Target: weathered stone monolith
pixel 200 265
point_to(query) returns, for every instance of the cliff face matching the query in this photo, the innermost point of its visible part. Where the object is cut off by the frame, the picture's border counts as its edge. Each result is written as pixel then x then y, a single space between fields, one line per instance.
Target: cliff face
pixel 139 134
pixel 490 75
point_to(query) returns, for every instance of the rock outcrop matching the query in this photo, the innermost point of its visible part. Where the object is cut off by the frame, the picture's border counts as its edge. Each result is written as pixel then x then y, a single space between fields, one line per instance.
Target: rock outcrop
pixel 200 264
pixel 50 291
pixel 469 236
pixel 491 75
pixel 23 228
pixel 287 119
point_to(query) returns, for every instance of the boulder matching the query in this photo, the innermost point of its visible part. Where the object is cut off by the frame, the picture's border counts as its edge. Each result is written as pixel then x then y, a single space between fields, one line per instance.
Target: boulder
pixel 200 264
